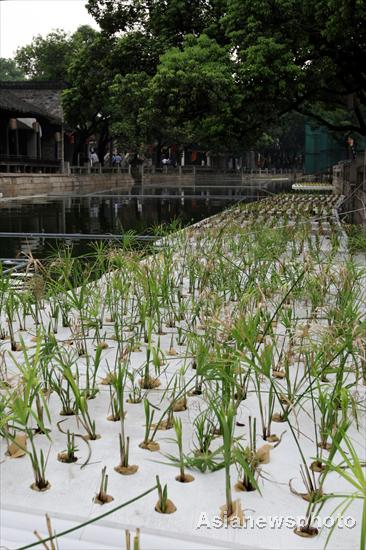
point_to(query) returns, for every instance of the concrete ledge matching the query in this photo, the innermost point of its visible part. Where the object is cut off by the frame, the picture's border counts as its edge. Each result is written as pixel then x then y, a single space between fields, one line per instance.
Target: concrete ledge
pixel 13 185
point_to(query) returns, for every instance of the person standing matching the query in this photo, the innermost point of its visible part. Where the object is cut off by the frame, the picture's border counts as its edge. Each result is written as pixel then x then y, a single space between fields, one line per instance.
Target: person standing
pixel 93 157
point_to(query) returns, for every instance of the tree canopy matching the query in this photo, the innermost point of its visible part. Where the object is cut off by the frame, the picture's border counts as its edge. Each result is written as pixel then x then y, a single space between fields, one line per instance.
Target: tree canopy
pixel 86 100
pixel 168 21
pixel 49 57
pixel 194 96
pixel 9 70
pixel 45 58
pixel 217 73
pixel 308 56
pixel 289 56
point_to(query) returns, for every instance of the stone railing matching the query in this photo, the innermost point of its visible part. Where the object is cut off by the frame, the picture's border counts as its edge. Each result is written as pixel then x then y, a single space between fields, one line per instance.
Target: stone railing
pixel 27 165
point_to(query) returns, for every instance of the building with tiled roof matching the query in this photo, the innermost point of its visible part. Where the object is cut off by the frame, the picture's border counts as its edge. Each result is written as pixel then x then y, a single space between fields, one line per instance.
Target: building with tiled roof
pixel 31 126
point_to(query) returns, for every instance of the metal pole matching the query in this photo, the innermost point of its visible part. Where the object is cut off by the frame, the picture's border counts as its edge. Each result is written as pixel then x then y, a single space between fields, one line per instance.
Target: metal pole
pixel 62 148
pixel 74 236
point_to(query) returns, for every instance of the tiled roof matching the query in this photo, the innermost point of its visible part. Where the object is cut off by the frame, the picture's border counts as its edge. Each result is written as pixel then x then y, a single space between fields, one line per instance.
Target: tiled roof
pixel 32 85
pixel 26 99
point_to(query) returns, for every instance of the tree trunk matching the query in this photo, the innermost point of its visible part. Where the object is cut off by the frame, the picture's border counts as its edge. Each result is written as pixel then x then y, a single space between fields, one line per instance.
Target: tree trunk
pixel 103 142
pixel 79 146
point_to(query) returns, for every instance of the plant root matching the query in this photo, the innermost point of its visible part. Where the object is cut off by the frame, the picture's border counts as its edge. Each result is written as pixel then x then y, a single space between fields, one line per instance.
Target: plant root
pixel 262 454
pixel 170 507
pixel 240 487
pixel 35 487
pixel 150 383
pixel 196 391
pixel 102 499
pixel 180 405
pixel 63 457
pixel 278 374
pixel 309 497
pixel 67 413
pixel 150 446
pixel 237 514
pixel 278 417
pixel 317 466
pixel 16 448
pixel 325 446
pixel 272 438
pixel 126 470
pixel 187 478
pixel 108 380
pixel 115 418
pixel 306 532
pixel 103 345
pixel 163 425
pixel 91 438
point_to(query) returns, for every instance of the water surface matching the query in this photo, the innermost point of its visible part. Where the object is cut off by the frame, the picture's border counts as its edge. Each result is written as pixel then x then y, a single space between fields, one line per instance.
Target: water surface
pixel 102 213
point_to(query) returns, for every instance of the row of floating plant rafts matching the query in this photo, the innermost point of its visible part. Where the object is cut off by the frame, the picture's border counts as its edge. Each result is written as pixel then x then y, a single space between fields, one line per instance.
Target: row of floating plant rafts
pixel 256 314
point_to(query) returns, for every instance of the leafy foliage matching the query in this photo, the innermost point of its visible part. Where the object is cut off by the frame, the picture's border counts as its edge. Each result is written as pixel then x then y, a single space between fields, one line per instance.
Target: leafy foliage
pixel 308 56
pixel 193 96
pixel 168 21
pixel 45 58
pixel 215 73
pixel 9 70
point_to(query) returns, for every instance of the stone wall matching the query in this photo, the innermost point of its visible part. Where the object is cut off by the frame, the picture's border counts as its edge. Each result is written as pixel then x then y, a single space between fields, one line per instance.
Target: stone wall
pixel 272 182
pixel 169 179
pixel 22 185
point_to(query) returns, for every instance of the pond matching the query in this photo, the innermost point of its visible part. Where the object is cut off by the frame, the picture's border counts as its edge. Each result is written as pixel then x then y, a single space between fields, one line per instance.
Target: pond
pixel 101 213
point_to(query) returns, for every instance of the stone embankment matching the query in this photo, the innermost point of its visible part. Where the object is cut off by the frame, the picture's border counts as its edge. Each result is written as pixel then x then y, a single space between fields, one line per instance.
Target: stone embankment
pixel 23 185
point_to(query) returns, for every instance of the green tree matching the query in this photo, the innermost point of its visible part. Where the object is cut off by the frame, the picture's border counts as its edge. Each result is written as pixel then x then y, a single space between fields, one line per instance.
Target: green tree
pixel 9 70
pixel 85 100
pixel 135 60
pixel 89 103
pixel 194 97
pixel 289 56
pixel 129 98
pixel 308 56
pixel 218 73
pixel 136 52
pixel 83 60
pixel 46 58
pixel 169 21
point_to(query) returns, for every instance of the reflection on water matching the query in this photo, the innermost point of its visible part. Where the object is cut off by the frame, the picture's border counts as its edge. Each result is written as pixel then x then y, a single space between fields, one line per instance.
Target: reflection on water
pixel 102 213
